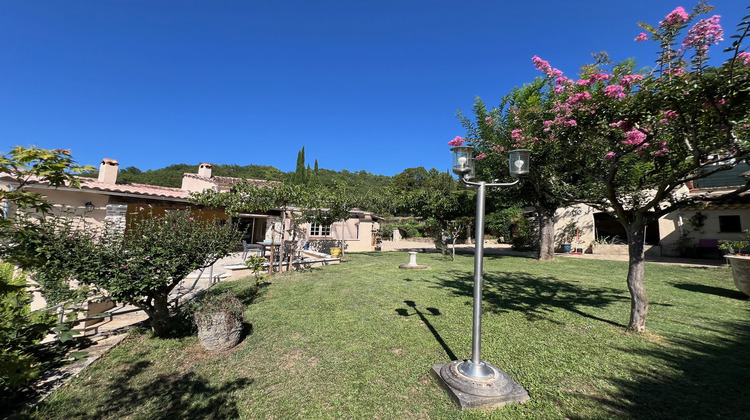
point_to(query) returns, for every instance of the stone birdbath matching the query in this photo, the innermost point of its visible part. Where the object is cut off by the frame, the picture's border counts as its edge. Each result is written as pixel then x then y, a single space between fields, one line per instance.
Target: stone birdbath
pixel 413 263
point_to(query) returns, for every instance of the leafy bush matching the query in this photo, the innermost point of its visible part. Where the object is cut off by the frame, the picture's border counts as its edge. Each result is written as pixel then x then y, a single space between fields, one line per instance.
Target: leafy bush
pixel 139 266
pixel 410 229
pixel 499 223
pixel 20 331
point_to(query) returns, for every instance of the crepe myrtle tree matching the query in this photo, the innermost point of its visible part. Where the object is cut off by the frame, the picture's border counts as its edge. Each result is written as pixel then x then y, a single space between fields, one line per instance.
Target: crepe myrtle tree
pixel 507 126
pixel 640 136
pixel 140 265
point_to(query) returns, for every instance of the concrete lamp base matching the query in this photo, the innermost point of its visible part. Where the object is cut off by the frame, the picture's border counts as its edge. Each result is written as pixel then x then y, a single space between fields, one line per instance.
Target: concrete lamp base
pixel 482 394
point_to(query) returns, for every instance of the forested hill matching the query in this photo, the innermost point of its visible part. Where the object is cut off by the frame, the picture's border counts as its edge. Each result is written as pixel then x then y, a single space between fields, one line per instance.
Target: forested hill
pixel 171 176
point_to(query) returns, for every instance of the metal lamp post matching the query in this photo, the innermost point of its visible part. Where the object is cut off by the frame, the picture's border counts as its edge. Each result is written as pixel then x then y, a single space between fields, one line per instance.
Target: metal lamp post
pixel 476 383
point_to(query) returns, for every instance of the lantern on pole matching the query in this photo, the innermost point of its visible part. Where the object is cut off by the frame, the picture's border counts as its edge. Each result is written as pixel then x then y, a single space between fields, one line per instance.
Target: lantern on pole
pixel 475 383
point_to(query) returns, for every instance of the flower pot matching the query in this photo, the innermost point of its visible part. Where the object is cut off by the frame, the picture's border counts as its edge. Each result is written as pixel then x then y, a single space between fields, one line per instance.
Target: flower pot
pixel 335 252
pixel 218 331
pixel 740 272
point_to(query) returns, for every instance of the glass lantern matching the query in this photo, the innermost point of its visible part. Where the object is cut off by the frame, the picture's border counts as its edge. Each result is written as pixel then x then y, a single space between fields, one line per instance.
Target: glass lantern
pixel 463 161
pixel 519 162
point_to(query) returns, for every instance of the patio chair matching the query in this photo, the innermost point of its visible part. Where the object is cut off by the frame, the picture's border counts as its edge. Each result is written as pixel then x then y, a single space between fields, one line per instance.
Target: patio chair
pixel 248 248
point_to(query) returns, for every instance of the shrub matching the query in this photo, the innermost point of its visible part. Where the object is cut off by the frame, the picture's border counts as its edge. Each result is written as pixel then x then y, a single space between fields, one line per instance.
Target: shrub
pixel 20 331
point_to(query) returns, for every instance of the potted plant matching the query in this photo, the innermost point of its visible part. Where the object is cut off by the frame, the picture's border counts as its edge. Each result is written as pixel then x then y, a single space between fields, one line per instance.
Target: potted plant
pixel 739 261
pixel 219 322
pixel 568 233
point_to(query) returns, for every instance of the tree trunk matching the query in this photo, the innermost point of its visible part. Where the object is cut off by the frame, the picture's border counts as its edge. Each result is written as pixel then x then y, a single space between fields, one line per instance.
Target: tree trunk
pixel 638 297
pixel 160 324
pixel 546 234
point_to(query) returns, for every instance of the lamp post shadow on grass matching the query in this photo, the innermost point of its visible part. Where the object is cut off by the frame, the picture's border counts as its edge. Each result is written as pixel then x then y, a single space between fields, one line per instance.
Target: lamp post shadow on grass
pixel 434 312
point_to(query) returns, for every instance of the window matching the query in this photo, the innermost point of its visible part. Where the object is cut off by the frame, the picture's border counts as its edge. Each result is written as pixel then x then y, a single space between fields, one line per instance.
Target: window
pixel 319 230
pixel 730 224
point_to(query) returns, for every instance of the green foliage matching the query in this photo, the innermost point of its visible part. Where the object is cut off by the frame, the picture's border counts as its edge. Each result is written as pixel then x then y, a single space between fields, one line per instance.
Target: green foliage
pixel 738 246
pixel 523 238
pixel 408 229
pixel 139 266
pixel 20 331
pixel 386 231
pixel 499 223
pixel 31 165
pixel 255 264
pixel 300 175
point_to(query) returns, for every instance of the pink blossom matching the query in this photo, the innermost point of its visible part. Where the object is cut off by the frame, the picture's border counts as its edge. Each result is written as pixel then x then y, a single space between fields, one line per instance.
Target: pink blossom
pixel 489 121
pixel 70 235
pixel 498 149
pixel 559 90
pixel 570 123
pixel 140 208
pixel 545 68
pixel 610 155
pixel 744 58
pixel 596 77
pixel 676 17
pixel 668 116
pixel 191 219
pixel 720 103
pixel 614 91
pixel 480 156
pixel 584 82
pixel 630 80
pixel 457 141
pixel 634 137
pixel 641 37
pixel 704 33
pixel 540 64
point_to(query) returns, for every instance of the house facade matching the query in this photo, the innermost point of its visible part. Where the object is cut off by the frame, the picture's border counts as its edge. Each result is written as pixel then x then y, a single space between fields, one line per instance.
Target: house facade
pixel 104 199
pixel 692 232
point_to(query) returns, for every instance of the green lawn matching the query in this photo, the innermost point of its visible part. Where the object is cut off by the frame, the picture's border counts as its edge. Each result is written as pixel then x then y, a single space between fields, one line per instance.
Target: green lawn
pixel 357 340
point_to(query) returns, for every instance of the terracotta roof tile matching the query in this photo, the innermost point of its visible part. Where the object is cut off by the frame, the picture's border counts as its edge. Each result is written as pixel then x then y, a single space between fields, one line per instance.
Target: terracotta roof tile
pixel 139 189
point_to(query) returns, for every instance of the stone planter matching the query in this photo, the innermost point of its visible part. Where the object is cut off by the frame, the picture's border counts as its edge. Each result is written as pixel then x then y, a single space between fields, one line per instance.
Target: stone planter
pixel 220 322
pixel 218 331
pixel 740 272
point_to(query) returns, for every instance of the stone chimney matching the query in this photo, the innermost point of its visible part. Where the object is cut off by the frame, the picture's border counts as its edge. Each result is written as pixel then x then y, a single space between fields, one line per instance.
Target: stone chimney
pixel 204 170
pixel 108 171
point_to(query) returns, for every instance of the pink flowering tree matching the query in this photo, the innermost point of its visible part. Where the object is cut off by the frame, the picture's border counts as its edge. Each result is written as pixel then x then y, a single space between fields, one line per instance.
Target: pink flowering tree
pixel 630 139
pixel 517 123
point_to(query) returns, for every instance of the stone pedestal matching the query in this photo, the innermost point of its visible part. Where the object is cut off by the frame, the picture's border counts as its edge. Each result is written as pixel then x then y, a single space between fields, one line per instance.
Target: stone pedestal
pixel 469 393
pixel 413 263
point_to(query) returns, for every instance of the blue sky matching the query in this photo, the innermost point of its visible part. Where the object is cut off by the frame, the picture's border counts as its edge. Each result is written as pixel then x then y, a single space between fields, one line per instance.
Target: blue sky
pixel 363 85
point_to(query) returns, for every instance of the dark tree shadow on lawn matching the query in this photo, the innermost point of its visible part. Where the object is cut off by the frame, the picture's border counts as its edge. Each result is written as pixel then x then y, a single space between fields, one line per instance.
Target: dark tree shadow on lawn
pixel 179 395
pixel 534 296
pixel 711 290
pixel 695 377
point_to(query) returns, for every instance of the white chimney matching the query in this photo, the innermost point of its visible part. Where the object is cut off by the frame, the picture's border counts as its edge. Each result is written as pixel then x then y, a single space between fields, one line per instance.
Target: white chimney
pixel 204 170
pixel 108 171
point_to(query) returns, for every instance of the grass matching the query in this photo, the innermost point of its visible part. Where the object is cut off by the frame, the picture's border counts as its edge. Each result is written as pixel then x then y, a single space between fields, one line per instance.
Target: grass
pixel 357 340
